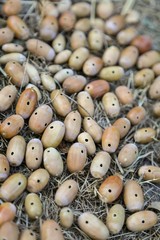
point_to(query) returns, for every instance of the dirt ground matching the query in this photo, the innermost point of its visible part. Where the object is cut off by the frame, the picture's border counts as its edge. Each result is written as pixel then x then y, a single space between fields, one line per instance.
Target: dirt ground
pixel 87 199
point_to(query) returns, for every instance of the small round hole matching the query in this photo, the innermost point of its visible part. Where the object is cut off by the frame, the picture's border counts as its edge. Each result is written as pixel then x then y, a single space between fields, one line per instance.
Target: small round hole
pixel 3 32
pixel 41 46
pixel 93 64
pixel 19 183
pixel 146 130
pixel 31 234
pixel 74 119
pixel 9 96
pixel 23 27
pixel 48 151
pixel 56 229
pixel 113 72
pixel 114 215
pixel 86 140
pixel 8 123
pixel 38 180
pixel 109 145
pixel 149 170
pixel 88 119
pixel 109 190
pixel 124 126
pixel 12 153
pixel 36 158
pixel 59 44
pixel 137 117
pixel 136 195
pixel 32 148
pixel 35 113
pixel 69 186
pixel 113 104
pixel 45 124
pixel 143 221
pixel 101 165
pixel 68 210
pixel 144 75
pixel 77 57
pixel 32 203
pixel 5 169
pixel 28 103
pixel 81 151
pixel 88 87
pixel 51 127
pixel 86 222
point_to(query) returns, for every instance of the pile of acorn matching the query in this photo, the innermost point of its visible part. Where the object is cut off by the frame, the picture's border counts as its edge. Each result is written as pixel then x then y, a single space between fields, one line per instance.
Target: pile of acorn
pixel 86 56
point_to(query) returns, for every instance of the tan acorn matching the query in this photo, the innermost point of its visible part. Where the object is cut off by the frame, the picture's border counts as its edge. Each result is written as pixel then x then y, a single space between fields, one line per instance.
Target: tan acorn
pixel 114 24
pixel 16 150
pixel 111 74
pixel 72 124
pixel 66 217
pixel 33 206
pixel 92 66
pixel 74 84
pixel 81 9
pixel 128 154
pixel 156 109
pixel 143 77
pixel 85 104
pixel 136 115
pixel 7 97
pixel 97 88
pixel 62 57
pixel 12 47
pixel 86 139
pixel 144 135
pixel 13 187
pixel 67 21
pixel 115 218
pixel 4 168
pixel 143 43
pixel 110 56
pixel 15 57
pixel 93 226
pixel 83 24
pixel 7 212
pixel 128 57
pixel 124 37
pixel 148 59
pixel 12 8
pixel 32 73
pixel 40 118
pixel 53 134
pixel 93 129
pixel 78 39
pixel 123 125
pixel 6 35
pixel 64 7
pixel 48 28
pixel 58 100
pixel 48 82
pixel 133 196
pixel 19 27
pixel 40 49
pixel 96 39
pixel 78 57
pixel 17 74
pixel 156 69
pixel 53 162
pixel 9 230
pixel 154 90
pixel 105 9
pixel 64 73
pixel 132 17
pixel 36 89
pixel 149 172
pixel 50 230
pixel 11 126
pixel 38 180
pixel 27 234
pixel 110 189
pixel 111 104
pixel 100 164
pixel 76 157
pixel 34 154
pixel 59 43
pixel 26 103
pixel 124 94
pixel 141 221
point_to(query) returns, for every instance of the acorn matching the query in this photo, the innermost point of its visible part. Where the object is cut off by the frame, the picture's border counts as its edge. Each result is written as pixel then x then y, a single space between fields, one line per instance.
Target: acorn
pixel 110 139
pixel 48 28
pixel 9 230
pixel 74 84
pixel 110 189
pixel 78 39
pixel 48 82
pixel 92 66
pixel 81 9
pixel 128 57
pixel 97 88
pixel 143 77
pixel 66 193
pixel 67 21
pixel 142 42
pixel 145 135
pixel 112 73
pixel 33 206
pixel 50 230
pixel 124 37
pixel 123 125
pixel 78 57
pixel 95 39
pixel 62 57
pixel 7 97
pixel 111 56
pixel 12 47
pixel 149 172
pixel 148 59
pixel 6 36
pixel 114 24
pixel 128 154
pixel 27 234
pixel 4 168
pixel 105 9
pixel 59 43
pixel 12 8
pixel 93 226
pixel 7 212
pixel 64 73
pixel 93 129
pixel 85 104
pixel 136 115
pixel 111 104
pixel 66 217
pixel 32 73
pixel 15 57
pixel 86 139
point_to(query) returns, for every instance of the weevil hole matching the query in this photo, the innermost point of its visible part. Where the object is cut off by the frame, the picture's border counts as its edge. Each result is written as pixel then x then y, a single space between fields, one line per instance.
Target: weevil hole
pixel 51 127
pixel 97 41
pixel 45 124
pixel 32 148
pixel 88 87
pixel 16 45
pixel 137 117
pixel 109 145
pixel 114 215
pixel 136 195
pixel 23 27
pixel 113 104
pixel 35 113
pixel 19 128
pixel 61 94
pixel 77 57
pixel 3 32
pixel 52 23
pixel 12 153
pixel 144 75
pixel 36 158
pixel 149 170
pixel 113 72
pixel 115 23
pixel 69 186
pixel 109 61
pixel 13 62
pixel 8 123
pixel 88 119
pixel 19 183
pixel 157 92
pixel 93 64
pixel 135 152
pixel 87 222
pixel 41 46
pixel 81 151
pixel 48 151
pixel 59 44
pixel 101 165
pixel 28 103
pixel 32 203
pixel 87 97
pixel 109 190
pixel 68 210
pixel 143 221
pixel 74 119
pixel 31 234
pixel 5 169
pixel 86 140
pixel 124 126
pixel 9 96
pixel 38 180
pixel 56 229
pixel 146 130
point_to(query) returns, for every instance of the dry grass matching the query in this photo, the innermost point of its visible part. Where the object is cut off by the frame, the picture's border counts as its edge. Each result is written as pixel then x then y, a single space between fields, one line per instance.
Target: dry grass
pixel 87 199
